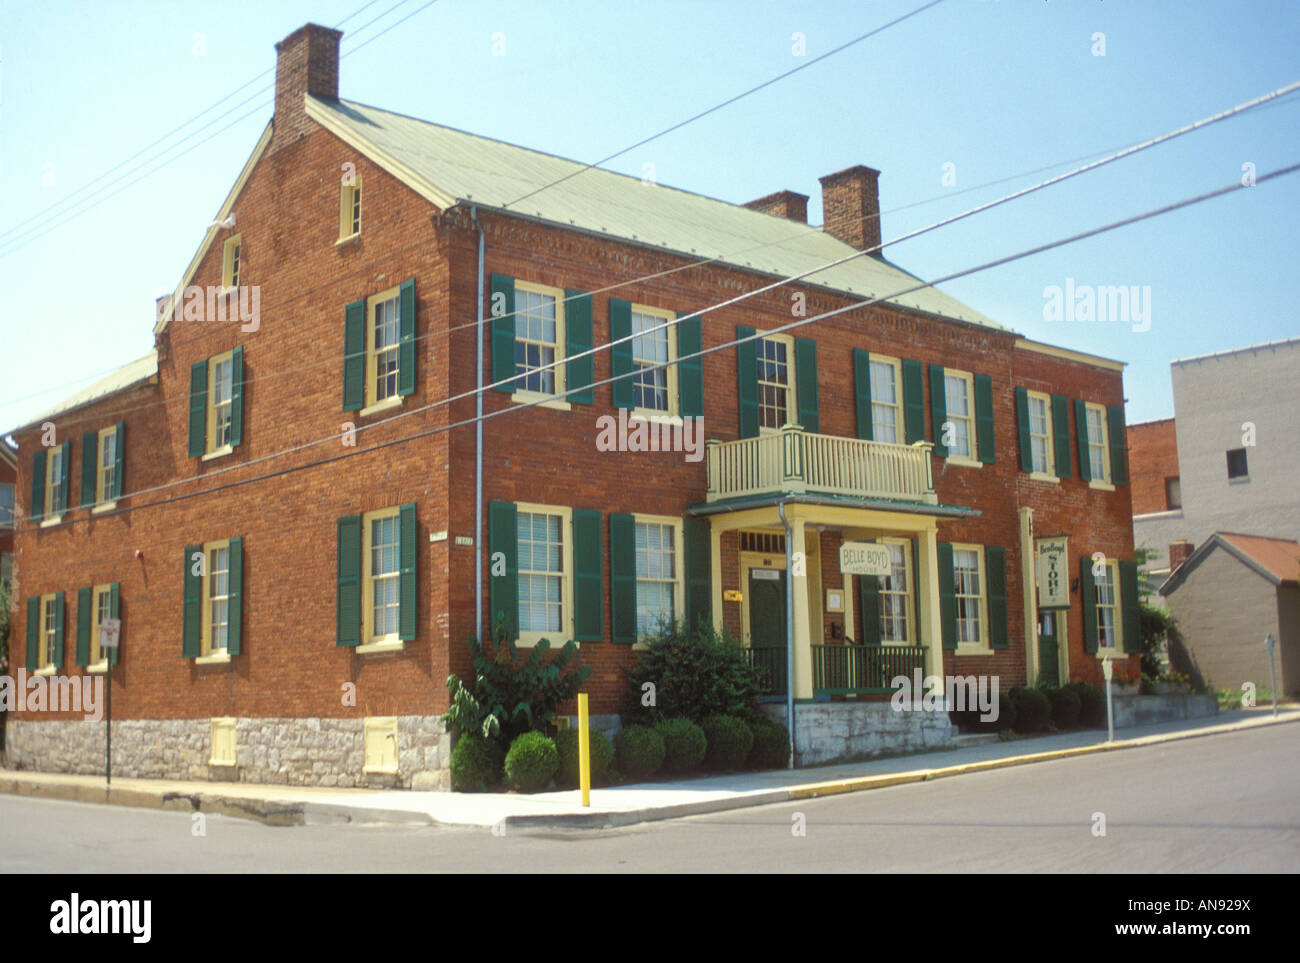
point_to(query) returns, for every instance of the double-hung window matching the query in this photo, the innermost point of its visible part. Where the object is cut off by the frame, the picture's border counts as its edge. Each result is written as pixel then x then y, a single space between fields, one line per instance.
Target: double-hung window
pixel 1108 605
pixel 350 209
pixel 959 397
pixel 543 549
pixel 539 339
pixel 231 257
pixel 51 627
pixel 896 596
pixel 216 404
pixel 776 388
pixel 376 606
pixel 106 472
pixel 1098 444
pixel 216 600
pixel 658 574
pixel 221 383
pixel 968 590
pixel 55 472
pixel 102 611
pixel 654 389
pixel 886 400
pixel 1041 451
pixel 382 596
pixel 384 337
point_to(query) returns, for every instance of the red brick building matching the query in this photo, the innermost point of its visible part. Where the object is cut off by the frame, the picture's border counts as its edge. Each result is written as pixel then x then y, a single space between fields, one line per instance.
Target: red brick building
pixel 1153 450
pixel 281 503
pixel 8 498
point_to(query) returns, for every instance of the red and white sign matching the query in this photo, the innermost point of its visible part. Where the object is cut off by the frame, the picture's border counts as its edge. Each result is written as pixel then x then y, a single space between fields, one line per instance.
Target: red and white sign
pixel 110 630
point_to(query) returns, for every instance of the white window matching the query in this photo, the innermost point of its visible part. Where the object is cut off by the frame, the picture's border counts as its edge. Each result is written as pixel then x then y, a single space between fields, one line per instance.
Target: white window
pixel 106 474
pixel 958 389
pixel 385 333
pixel 53 482
pixel 654 390
pixel 1098 446
pixel 886 401
pixel 968 587
pixel 543 573
pixel 383 575
pixel 896 595
pixel 1108 611
pixel 776 398
pixel 220 401
pixel 658 575
pixel 539 338
pixel 216 600
pixel 1040 433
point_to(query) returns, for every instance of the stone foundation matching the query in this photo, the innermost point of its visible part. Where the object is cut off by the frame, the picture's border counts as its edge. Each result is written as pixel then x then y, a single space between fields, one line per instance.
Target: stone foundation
pixel 842 731
pixel 290 752
pixel 1141 710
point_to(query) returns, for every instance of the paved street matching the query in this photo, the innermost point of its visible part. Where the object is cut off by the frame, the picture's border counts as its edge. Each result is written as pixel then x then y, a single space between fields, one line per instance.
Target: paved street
pixel 1220 803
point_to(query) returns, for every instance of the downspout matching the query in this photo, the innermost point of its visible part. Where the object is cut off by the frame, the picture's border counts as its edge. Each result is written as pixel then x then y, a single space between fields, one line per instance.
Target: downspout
pixel 478 442
pixel 789 629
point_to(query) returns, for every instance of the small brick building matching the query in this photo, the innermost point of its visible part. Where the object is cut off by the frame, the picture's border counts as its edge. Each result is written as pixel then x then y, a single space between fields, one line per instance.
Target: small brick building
pixel 280 503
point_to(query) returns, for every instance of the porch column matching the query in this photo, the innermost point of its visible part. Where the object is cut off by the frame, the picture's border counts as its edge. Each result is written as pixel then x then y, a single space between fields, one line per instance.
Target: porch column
pixel 715 575
pixel 928 603
pixel 800 602
pixel 1029 592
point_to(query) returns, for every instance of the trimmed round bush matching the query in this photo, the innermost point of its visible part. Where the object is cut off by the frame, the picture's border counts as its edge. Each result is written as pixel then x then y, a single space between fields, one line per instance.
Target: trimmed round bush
pixel 771 746
pixel 1033 709
pixel 639 751
pixel 1065 707
pixel 475 763
pixel 1092 705
pixel 1004 719
pixel 684 745
pixel 602 754
pixel 730 740
pixel 531 762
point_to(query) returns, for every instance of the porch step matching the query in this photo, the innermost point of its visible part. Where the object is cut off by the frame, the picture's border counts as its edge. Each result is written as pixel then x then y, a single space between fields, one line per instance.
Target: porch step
pixel 974 739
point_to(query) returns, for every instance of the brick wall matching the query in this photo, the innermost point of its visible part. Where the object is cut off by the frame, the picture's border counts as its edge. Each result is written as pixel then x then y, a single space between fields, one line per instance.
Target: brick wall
pixel 1152 458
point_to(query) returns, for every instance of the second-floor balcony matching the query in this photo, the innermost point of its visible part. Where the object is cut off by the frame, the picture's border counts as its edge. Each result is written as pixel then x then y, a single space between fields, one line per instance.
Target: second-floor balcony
pixel 795 461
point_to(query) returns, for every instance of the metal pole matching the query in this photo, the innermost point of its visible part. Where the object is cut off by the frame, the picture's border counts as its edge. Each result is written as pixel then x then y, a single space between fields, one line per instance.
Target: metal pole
pixel 1108 670
pixel 1270 643
pixel 108 722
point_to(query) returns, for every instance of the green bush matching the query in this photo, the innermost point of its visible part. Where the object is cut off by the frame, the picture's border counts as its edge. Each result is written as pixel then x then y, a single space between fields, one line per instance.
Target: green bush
pixel 1065 707
pixel 639 751
pixel 1033 709
pixel 475 763
pixel 1003 722
pixel 695 674
pixel 602 754
pixel 531 762
pixel 771 747
pixel 730 740
pixel 684 745
pixel 1092 705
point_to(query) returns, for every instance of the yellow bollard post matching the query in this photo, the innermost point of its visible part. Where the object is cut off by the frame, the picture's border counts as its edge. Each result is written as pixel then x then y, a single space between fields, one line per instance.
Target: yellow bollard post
pixel 584 750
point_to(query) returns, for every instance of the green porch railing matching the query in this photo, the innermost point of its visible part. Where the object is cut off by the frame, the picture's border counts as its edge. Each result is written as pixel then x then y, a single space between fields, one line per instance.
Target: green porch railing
pixel 846 669
pixel 770 662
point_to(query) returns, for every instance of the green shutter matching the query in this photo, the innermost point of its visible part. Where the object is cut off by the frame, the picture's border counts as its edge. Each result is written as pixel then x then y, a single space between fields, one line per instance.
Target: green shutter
pixel 60 608
pixel 192 631
pixel 198 408
pixel 995 571
pixel 862 392
pixel 947 596
pixel 747 382
pixel 33 633
pixel 348 581
pixel 696 534
pixel 578 338
pixel 119 459
pixel 1081 435
pixel 237 397
pixel 89 461
pixel 913 402
pixel 1118 447
pixel 1088 595
pixel 805 362
pixel 938 409
pixel 1061 435
pixel 37 507
pixel 235 626
pixel 354 356
pixel 65 476
pixel 503 588
pixel 501 308
pixel 115 612
pixel 869 594
pixel 1022 429
pixel 690 373
pixel 406 338
pixel 1128 599
pixel 588 591
pixel 620 355
pixel 407 551
pixel 85 598
pixel 984 439
pixel 622 578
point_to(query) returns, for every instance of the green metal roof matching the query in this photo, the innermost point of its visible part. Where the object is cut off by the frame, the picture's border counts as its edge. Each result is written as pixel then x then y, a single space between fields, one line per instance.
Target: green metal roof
pixel 448 166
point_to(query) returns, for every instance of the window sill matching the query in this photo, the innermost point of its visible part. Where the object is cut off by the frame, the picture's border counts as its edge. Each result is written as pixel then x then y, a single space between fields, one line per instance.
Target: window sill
pixel 222 658
pixel 965 461
pixel 1101 486
pixel 349 240
pixel 378 648
pixel 50 522
pixel 1242 480
pixel 388 404
pixel 218 452
pixel 46 670
pixel 654 417
pixel 103 507
pixel 98 668
pixel 529 640
pixel 540 400
pixel 1044 477
pixel 972 650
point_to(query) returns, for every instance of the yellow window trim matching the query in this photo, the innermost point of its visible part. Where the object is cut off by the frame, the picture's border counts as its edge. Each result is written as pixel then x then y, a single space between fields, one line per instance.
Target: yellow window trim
pixel 372 360
pixel 566 631
pixel 674 411
pixel 910 602
pixel 1115 651
pixel 96 593
pixel 210 426
pixel 900 427
pixel 1050 473
pixel 52 479
pixel 372 642
pixel 1105 481
pixel 544 400
pixel 981 647
pixel 679 580
pixel 206 655
pixel 101 470
pixel 560 368
pixel 229 276
pixel 43 654
pixel 791 388
pixel 346 194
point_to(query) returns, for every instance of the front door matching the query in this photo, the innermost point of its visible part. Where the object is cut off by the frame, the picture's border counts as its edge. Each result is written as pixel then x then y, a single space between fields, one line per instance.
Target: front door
pixel 767 625
pixel 1048 663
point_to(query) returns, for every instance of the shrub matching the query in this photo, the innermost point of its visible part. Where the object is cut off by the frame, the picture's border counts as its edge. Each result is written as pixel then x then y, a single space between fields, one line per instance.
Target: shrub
pixel 475 763
pixel 1006 715
pixel 1033 710
pixel 771 746
pixel 1092 705
pixel 531 762
pixel 1065 707
pixel 684 744
pixel 696 674
pixel 639 751
pixel 730 740
pixel 602 754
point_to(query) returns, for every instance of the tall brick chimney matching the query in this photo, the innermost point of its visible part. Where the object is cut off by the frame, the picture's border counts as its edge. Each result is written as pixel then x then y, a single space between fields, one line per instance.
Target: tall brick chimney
pixel 788 204
pixel 306 62
pixel 1178 552
pixel 851 206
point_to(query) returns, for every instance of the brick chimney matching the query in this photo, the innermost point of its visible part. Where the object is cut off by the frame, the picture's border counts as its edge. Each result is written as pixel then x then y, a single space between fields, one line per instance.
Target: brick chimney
pixel 851 206
pixel 788 204
pixel 306 62
pixel 1178 552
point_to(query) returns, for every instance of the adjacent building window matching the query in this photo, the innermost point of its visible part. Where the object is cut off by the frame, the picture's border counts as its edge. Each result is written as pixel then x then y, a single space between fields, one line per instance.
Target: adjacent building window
pixel 230 262
pixel 776 397
pixel 221 407
pixel 384 336
pixel 539 338
pixel 1098 442
pixel 654 389
pixel 968 589
pixel 1173 493
pixel 1237 467
pixel 216 600
pixel 350 210
pixel 382 596
pixel 896 596
pixel 1041 448
pixel 6 506
pixel 658 575
pixel 886 400
pixel 542 573
pixel 959 394
pixel 1108 602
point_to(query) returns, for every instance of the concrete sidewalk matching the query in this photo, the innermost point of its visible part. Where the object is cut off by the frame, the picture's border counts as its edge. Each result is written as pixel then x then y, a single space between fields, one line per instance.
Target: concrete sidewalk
pixel 613 806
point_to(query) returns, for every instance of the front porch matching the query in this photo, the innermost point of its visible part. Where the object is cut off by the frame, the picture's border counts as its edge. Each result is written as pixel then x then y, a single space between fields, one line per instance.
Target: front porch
pixel 840 669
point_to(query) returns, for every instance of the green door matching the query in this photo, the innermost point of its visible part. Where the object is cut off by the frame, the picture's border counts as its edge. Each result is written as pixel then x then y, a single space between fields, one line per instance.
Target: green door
pixel 1048 663
pixel 767 626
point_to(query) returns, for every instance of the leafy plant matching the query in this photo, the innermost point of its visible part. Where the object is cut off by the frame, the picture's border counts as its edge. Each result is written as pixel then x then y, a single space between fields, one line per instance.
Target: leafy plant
pixel 684 744
pixel 730 740
pixel 510 695
pixel 531 762
pixel 475 762
pixel 695 674
pixel 639 751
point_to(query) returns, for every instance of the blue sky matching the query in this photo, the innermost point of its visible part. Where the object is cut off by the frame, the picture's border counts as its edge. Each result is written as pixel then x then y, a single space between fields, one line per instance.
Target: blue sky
pixel 994 88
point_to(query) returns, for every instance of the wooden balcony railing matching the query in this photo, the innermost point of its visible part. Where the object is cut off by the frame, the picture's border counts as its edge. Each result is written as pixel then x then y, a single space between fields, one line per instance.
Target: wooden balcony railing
pixel 844 669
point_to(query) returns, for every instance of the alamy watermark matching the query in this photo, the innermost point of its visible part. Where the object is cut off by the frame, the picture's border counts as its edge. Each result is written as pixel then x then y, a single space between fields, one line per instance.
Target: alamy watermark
pixel 641 434
pixel 53 693
pixel 216 303
pixel 1115 303
pixel 959 693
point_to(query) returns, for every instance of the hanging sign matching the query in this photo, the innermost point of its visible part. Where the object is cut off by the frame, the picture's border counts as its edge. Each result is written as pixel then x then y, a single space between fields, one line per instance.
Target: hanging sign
pixel 1053 572
pixel 865 558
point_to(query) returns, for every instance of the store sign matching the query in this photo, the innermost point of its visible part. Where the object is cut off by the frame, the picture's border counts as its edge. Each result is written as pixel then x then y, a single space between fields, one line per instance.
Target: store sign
pixel 864 558
pixel 1053 572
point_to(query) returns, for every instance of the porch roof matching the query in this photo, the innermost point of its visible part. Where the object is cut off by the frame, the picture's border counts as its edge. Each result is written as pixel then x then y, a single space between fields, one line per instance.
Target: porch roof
pixel 772 499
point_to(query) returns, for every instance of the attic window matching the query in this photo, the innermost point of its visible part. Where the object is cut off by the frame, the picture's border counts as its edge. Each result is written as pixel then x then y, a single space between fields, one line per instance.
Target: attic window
pixel 350 210
pixel 230 263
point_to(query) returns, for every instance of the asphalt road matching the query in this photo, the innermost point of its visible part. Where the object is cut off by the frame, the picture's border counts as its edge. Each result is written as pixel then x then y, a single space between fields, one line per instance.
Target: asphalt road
pixel 1227 803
